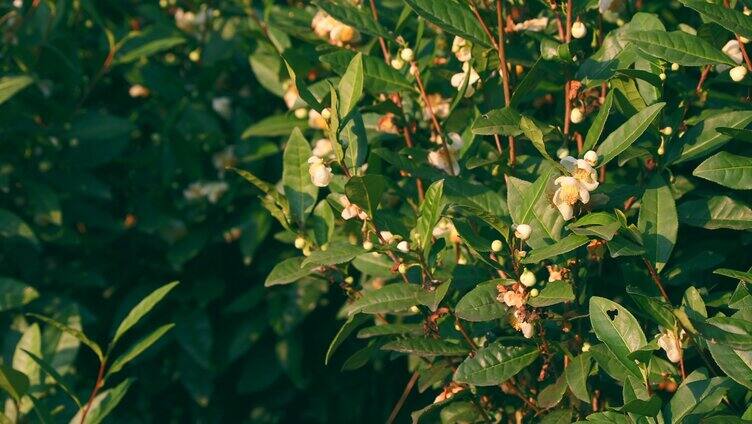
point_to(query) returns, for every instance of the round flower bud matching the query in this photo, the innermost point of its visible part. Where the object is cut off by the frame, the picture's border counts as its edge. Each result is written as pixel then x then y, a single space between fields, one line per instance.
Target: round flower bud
pixel 744 40
pixel 301 113
pixel 407 55
pixel 585 347
pixel 579 30
pixel 403 246
pixel 523 231
pixel 299 242
pixel 576 116
pixel 527 278
pixel 562 152
pixel 667 130
pixel 367 245
pixel 349 279
pixel 662 76
pixel 591 157
pixel 534 293
pixel 496 246
pixel 462 261
pixel 307 251
pixel 397 63
pixel 674 67
pixel 402 268
pixel 738 73
pixel 326 113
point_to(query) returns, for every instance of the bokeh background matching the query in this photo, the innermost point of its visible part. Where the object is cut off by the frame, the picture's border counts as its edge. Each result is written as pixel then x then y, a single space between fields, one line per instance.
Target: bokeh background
pixel 117 120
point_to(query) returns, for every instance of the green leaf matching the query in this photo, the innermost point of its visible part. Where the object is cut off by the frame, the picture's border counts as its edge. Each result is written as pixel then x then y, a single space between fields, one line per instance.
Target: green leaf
pixel 658 222
pixel 609 363
pixel 390 330
pixel 554 293
pixel 56 377
pixel 535 134
pixel 627 133
pixel 103 404
pixel 31 340
pixel 599 123
pixel 12 227
pixel 303 91
pixel 288 271
pixel 727 169
pixel 138 348
pixel 354 134
pixel 366 191
pixel 657 308
pixel 737 364
pixel 429 214
pixel 300 191
pixel 78 334
pixel 147 49
pixel 15 383
pixel 391 298
pixel 637 401
pixel 9 86
pixel 352 323
pixel 530 204
pixel 735 133
pixel 696 395
pixel 379 77
pixel 424 346
pixel 567 244
pixel 730 331
pixel 322 223
pixel 716 212
pixel 618 329
pixel 705 138
pixel 738 275
pixel 15 294
pixel 336 253
pixel 622 246
pixel 678 47
pixel 731 19
pixel 495 364
pixel 577 374
pixel 350 87
pixel 273 126
pixel 481 303
pixel 451 16
pixel 552 394
pixel 357 17
pixel 140 310
pixel 505 121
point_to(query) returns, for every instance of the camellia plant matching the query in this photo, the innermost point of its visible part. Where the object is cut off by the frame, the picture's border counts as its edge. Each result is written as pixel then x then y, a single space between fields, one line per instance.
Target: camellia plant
pixel 541 205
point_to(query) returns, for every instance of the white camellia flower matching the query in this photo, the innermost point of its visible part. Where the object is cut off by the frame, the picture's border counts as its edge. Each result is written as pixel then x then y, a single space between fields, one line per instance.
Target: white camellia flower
pixel 387 236
pixel 513 298
pixel 671 344
pixel 523 231
pixel 732 50
pixel 462 49
pixel 223 106
pixel 738 73
pixel 322 148
pixel 438 158
pixel 321 174
pixel 316 121
pixel 351 210
pixel 533 25
pixel 458 80
pixel 574 188
pixel 403 246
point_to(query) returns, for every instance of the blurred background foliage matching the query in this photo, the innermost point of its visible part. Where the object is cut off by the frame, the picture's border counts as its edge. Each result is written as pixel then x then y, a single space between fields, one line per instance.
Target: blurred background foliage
pixel 116 128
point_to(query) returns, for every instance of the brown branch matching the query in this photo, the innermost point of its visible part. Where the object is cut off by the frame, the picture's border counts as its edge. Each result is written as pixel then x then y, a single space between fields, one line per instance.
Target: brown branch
pixel 405 394
pixel 703 77
pixel 382 42
pixel 504 72
pixel 464 333
pixel 567 102
pixel 656 278
pixel 97 385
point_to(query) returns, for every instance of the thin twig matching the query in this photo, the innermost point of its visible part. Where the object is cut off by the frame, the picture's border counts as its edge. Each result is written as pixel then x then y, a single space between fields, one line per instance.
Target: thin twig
pixel 97 385
pixel 504 72
pixel 656 278
pixel 382 42
pixel 405 394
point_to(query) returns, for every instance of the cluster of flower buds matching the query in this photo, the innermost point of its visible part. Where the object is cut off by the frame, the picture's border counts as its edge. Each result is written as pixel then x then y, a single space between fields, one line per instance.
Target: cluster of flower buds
pixel 336 32
pixel 351 210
